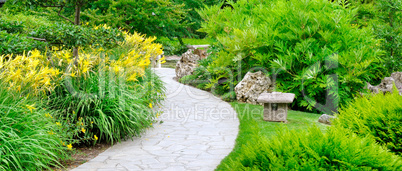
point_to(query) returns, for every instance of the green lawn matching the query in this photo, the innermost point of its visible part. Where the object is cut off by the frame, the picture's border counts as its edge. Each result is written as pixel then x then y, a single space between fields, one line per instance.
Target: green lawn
pixel 251 124
pixel 190 41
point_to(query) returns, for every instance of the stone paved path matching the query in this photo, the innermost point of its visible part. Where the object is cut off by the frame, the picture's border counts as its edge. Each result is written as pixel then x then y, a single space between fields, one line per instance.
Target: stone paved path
pixel 197 132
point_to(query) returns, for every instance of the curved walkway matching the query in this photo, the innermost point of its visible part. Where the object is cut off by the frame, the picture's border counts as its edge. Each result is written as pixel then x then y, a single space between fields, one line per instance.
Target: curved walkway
pixel 197 132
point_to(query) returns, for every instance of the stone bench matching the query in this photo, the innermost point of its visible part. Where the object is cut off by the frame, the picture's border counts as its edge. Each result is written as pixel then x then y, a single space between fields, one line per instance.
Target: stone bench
pixel 276 105
pixel 198 46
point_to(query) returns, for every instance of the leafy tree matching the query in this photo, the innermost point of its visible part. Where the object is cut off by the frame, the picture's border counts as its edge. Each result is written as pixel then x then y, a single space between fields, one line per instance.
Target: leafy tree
pixel 151 17
pixel 75 5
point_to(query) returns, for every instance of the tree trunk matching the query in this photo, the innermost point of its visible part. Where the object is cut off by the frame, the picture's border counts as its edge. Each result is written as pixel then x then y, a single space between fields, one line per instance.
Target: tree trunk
pixel 180 40
pixel 76 22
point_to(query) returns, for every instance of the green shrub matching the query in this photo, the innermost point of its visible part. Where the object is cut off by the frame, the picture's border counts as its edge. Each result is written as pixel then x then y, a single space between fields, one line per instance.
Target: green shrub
pixel 192 15
pixel 26 134
pixel 337 149
pixel 11 26
pixel 17 44
pixel 151 17
pixel 384 17
pixel 121 112
pixel 67 35
pixel 310 47
pixel 378 116
pixel 27 23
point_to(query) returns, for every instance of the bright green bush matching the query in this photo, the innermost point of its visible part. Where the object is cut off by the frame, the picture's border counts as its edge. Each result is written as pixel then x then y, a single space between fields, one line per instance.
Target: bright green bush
pixel 337 149
pixel 378 116
pixel 27 140
pixel 28 23
pixel 11 26
pixel 311 47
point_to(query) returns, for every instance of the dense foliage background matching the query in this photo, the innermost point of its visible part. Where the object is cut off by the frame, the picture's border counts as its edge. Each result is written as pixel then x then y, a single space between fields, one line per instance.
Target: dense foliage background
pixel 313 49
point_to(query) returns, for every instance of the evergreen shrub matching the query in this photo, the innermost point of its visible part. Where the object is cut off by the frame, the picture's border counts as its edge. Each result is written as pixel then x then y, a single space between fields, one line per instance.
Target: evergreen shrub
pixel 378 116
pixel 337 149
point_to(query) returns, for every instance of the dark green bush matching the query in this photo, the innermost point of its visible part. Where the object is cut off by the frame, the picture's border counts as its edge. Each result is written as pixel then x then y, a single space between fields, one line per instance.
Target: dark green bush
pixel 17 44
pixel 192 15
pixel 384 17
pixel 151 17
pixel 337 149
pixel 378 116
pixel 67 35
pixel 311 47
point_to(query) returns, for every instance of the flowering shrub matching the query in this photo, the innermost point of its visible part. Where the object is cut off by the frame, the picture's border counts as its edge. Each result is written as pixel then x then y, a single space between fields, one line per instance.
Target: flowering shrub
pixel 100 98
pixel 31 73
pixel 103 95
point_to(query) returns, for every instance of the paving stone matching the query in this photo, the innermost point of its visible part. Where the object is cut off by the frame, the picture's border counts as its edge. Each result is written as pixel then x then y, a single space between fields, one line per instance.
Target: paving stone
pixel 197 132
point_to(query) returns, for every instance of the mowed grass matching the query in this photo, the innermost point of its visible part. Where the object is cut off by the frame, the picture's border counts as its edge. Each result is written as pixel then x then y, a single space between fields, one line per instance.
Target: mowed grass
pixel 187 41
pixel 252 124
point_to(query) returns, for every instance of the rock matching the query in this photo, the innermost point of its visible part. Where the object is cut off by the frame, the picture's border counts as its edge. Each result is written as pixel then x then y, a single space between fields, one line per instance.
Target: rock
pixel 187 63
pixel 202 53
pixel 253 84
pixel 326 119
pixel 397 76
pixel 387 84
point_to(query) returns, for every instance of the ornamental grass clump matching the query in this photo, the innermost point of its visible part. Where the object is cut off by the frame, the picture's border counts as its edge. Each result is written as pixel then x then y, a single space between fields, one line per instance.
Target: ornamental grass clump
pixel 377 116
pixel 27 137
pixel 104 99
pixel 336 149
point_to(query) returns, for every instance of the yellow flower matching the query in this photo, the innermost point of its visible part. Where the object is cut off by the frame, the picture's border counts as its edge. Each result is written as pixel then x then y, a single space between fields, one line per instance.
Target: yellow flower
pixel 69 146
pixel 150 105
pixel 58 123
pixel 96 138
pixel 73 74
pixel 83 130
pixel 30 107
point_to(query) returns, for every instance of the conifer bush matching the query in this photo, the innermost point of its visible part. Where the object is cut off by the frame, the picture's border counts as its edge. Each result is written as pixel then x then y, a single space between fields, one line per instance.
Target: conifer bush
pixel 378 116
pixel 337 149
pixel 311 47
